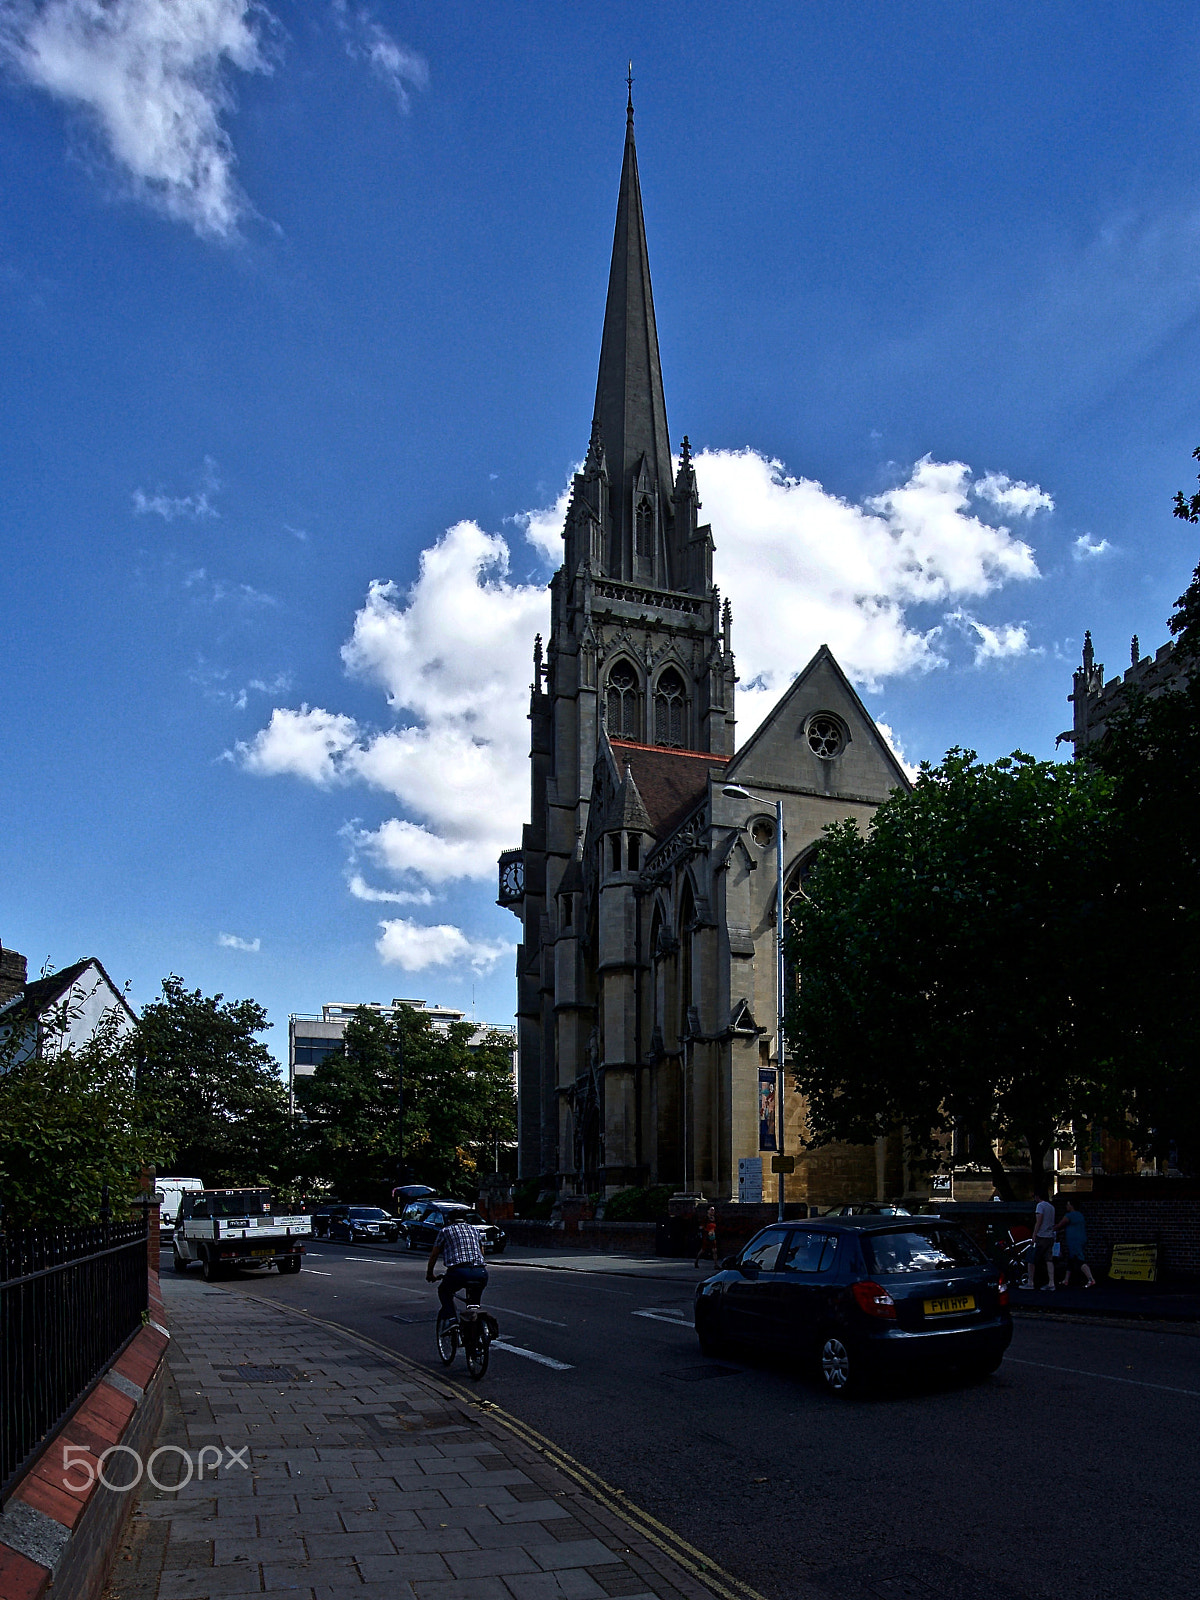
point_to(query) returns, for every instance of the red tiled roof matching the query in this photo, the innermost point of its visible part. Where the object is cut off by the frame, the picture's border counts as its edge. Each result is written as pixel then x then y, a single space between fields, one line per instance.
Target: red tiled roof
pixel 670 782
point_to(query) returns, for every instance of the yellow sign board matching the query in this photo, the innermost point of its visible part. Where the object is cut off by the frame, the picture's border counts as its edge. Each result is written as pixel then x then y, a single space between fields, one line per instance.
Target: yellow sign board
pixel 1134 1263
pixel 783 1163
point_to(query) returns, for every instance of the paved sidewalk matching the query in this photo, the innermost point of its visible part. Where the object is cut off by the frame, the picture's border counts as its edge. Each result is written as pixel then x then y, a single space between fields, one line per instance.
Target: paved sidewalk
pixel 366 1480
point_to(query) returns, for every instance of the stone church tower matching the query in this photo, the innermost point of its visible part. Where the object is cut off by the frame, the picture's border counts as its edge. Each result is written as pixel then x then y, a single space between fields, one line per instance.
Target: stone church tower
pixel 638 1049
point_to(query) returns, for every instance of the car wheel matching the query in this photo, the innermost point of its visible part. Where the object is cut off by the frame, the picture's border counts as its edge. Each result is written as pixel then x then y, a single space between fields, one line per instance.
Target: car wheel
pixel 181 1262
pixel 710 1343
pixel 839 1369
pixel 212 1270
pixel 984 1369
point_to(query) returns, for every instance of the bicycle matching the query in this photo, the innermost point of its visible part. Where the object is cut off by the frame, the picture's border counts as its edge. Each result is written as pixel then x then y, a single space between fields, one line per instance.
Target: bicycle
pixel 472 1328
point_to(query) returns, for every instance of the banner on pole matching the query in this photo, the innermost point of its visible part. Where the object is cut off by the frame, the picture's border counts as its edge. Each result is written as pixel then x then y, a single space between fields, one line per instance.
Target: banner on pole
pixel 766 1108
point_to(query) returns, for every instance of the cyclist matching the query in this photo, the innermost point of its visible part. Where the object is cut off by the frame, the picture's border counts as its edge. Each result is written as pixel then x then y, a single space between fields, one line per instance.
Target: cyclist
pixel 460 1245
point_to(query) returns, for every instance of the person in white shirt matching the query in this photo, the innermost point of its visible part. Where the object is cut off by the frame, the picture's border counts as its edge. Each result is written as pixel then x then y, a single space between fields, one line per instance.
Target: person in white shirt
pixel 1044 1224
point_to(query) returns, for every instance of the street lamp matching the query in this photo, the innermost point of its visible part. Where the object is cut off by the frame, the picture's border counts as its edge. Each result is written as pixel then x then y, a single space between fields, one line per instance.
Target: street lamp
pixel 734 791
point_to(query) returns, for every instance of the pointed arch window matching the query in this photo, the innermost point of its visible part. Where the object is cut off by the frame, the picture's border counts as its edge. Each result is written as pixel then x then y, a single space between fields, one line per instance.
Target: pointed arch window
pixel 670 710
pixel 644 521
pixel 624 711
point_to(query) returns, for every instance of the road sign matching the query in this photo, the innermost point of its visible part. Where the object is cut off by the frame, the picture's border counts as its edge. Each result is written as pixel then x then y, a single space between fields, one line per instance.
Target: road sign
pixel 1134 1263
pixel 750 1180
pixel 783 1163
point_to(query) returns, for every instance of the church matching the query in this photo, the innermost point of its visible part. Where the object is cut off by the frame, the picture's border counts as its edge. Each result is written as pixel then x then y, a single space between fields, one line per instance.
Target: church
pixel 646 974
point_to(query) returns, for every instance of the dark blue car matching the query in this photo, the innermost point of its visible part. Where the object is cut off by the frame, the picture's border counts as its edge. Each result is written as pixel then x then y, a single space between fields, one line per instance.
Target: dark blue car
pixel 861 1298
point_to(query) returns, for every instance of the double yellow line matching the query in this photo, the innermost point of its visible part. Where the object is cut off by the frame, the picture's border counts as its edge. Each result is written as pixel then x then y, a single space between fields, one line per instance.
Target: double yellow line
pixel 715 1578
pixel 721 1583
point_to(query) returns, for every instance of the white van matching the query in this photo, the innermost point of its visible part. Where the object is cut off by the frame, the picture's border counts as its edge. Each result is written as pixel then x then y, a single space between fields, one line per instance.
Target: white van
pixel 168 1190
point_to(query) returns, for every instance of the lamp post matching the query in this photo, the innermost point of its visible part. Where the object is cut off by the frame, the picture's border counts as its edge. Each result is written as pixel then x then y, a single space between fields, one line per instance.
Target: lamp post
pixel 734 791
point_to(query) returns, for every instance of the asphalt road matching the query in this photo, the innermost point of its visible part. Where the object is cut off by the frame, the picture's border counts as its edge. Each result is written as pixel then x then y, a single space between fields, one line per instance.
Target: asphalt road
pixel 1073 1472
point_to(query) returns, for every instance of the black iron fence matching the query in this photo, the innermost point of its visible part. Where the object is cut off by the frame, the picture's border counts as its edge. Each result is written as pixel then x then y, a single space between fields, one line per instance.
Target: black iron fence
pixel 70 1300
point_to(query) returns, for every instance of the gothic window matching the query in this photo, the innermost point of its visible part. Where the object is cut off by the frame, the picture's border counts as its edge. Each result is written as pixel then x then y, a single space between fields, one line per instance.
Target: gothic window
pixel 670 710
pixel 624 710
pixel 635 853
pixel 687 916
pixel 796 884
pixel 826 736
pixel 615 847
pixel 645 530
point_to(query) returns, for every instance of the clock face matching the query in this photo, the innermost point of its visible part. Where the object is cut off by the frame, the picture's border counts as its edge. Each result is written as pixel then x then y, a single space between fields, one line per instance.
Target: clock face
pixel 512 879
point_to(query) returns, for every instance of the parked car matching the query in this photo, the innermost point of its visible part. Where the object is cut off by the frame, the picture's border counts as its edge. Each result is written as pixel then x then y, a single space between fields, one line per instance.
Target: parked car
pixel 323 1215
pixel 865 1208
pixel 860 1298
pixel 356 1223
pixel 423 1220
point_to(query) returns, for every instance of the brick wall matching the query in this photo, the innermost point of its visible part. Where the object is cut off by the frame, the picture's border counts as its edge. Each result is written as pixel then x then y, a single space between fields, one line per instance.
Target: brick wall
pixel 1173 1224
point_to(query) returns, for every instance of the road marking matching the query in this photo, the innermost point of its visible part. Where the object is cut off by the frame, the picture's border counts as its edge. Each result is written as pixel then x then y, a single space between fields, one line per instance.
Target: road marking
pixel 532 1355
pixel 528 1315
pixel 370 1261
pixel 317 1272
pixel 664 1316
pixel 715 1579
pixel 1108 1377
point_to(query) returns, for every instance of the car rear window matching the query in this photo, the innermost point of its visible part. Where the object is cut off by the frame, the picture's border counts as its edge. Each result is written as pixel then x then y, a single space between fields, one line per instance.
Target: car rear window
pixel 920 1250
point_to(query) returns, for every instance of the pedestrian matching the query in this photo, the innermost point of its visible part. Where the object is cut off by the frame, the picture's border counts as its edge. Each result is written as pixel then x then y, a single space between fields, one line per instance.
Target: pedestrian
pixel 708 1236
pixel 1044 1224
pixel 1073 1228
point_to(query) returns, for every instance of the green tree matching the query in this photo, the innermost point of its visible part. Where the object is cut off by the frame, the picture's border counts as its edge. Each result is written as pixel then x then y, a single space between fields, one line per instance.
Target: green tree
pixel 213 1085
pixel 952 962
pixel 71 1123
pixel 457 1104
pixel 1151 755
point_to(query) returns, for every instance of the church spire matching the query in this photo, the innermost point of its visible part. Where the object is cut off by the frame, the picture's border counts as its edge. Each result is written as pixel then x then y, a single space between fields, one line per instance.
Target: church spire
pixel 631 411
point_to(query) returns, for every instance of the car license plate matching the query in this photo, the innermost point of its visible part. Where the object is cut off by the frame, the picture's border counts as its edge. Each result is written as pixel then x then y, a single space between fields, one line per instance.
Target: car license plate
pixel 947 1308
pixel 262 1252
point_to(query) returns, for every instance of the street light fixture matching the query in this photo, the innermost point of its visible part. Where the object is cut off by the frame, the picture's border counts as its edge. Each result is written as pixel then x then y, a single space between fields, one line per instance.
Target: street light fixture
pixel 734 791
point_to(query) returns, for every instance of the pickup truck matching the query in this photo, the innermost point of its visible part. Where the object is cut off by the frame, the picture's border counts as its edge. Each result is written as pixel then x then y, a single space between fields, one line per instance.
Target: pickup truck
pixel 225 1229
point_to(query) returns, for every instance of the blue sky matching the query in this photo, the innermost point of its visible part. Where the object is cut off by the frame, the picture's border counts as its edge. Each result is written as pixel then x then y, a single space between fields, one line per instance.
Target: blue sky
pixel 301 310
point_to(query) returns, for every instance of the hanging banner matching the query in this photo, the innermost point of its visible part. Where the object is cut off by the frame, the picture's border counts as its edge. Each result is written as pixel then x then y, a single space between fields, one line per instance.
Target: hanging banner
pixel 766 1108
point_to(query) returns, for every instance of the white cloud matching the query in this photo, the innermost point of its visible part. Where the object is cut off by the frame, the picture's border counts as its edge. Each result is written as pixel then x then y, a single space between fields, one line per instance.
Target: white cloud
pixel 304 743
pixel 409 945
pixel 1086 548
pixel 544 528
pixel 804 567
pixel 1019 499
pixel 397 67
pixel 1001 643
pixel 893 745
pixel 169 506
pixel 362 890
pixel 218 590
pixel 230 941
pixel 152 76
pixel 452 651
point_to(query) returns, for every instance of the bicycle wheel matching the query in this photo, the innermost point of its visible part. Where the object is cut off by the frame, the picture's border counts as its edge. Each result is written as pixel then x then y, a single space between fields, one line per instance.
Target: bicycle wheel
pixel 478 1349
pixel 447 1338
